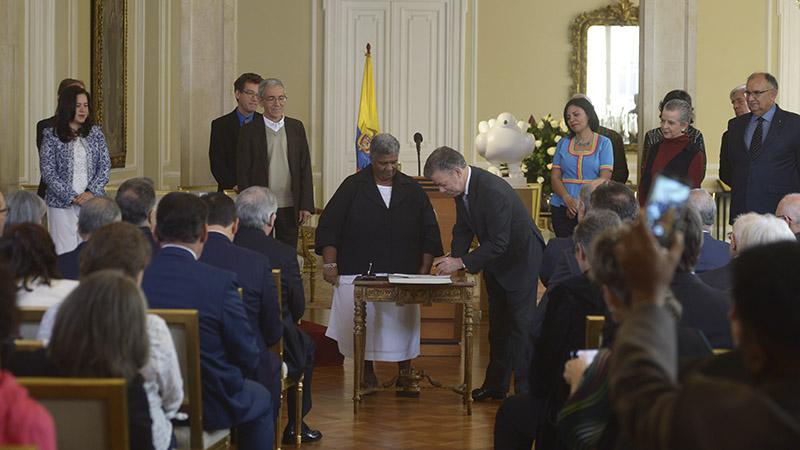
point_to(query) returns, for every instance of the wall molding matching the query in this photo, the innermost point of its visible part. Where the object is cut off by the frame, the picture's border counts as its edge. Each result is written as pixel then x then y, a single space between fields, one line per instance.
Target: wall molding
pixel 789 54
pixel 164 93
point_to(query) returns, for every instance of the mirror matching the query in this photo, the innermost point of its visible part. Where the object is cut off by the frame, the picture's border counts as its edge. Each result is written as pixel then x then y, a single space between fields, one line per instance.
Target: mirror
pixel 605 64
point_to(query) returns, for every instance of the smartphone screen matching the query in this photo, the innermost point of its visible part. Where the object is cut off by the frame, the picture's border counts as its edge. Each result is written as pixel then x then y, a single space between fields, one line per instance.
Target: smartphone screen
pixel 667 194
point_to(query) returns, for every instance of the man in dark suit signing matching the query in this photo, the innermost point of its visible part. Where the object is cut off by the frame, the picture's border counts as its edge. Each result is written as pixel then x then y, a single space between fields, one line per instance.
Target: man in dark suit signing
pixel 256 209
pixel 229 355
pixel 273 153
pixel 760 159
pixel 509 254
pixel 225 130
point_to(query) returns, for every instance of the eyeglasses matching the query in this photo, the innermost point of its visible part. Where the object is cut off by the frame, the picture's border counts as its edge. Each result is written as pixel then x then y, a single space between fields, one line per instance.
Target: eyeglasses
pixel 273 99
pixel 250 93
pixel 756 93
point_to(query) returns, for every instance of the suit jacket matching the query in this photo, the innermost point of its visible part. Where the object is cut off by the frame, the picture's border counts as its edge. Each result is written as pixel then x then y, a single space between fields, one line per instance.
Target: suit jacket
pixel 759 183
pixel 704 308
pixel 719 278
pixel 566 267
pixel 50 122
pixel 228 349
pixel 253 161
pixel 222 149
pixel 620 172
pixel 657 412
pixel 713 254
pixel 295 342
pixel 511 245
pixel 254 275
pixel 553 252
pixel 148 234
pixel 69 263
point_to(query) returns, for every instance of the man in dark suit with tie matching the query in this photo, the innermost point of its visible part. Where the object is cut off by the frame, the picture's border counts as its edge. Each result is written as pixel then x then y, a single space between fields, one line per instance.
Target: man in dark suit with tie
pixel 229 355
pixel 760 159
pixel 95 213
pixel 273 153
pixel 50 122
pixel 714 253
pixel 136 198
pixel 256 209
pixel 509 254
pixel 225 130
pixel 254 275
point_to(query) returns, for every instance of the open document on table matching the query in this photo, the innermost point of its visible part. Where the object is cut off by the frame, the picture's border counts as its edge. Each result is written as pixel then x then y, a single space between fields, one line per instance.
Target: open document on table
pixel 402 278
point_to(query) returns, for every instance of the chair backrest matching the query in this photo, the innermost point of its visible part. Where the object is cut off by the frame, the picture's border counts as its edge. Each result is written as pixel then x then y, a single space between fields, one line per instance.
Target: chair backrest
pixel 30 319
pixel 89 413
pixel 276 277
pixel 183 325
pixel 27 345
pixel 594 331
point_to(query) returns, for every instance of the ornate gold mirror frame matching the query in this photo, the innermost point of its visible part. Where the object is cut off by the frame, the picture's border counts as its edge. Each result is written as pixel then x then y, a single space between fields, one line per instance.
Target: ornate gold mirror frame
pixel 622 13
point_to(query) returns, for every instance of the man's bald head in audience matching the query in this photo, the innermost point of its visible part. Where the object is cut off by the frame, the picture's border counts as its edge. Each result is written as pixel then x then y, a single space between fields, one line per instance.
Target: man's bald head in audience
pixel 789 210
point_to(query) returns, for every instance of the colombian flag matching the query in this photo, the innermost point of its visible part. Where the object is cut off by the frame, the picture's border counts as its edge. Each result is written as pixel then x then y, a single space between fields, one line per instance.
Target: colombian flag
pixel 367 126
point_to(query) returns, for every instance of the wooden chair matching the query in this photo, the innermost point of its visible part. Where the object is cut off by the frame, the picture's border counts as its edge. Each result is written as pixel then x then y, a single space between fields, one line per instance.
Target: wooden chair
pixel 183 325
pixel 89 413
pixel 287 382
pixel 30 319
pixel 27 345
pixel 594 331
pixel 306 251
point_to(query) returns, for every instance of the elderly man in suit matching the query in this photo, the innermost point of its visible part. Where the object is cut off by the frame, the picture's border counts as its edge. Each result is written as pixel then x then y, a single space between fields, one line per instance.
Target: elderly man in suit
pixel 789 210
pixel 509 254
pixel 760 161
pixel 254 275
pixel 714 253
pixel 136 198
pixel 256 208
pixel 95 213
pixel 225 130
pixel 273 152
pixel 229 355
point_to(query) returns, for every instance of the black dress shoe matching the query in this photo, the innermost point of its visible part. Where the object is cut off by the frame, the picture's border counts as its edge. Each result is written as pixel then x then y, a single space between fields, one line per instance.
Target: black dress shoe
pixel 482 393
pixel 306 435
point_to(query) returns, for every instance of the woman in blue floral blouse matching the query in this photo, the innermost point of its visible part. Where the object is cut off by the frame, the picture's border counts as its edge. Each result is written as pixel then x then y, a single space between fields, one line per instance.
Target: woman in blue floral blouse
pixel 75 165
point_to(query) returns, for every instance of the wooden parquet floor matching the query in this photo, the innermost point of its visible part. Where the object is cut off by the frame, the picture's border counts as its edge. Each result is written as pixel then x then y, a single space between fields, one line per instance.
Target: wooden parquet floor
pixel 435 420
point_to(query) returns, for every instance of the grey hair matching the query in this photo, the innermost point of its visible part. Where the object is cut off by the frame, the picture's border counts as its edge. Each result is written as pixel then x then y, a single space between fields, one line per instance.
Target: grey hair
pixel 681 106
pixel 790 207
pixel 136 197
pixel 704 204
pixel 268 82
pixel 767 76
pixel 739 88
pixel 97 212
pixel 585 194
pixel 594 223
pixel 24 206
pixel 444 159
pixel 383 144
pixel 255 205
pixel 753 230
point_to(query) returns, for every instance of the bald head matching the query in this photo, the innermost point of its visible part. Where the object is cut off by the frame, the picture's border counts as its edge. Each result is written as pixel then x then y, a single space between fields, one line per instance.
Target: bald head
pixel 704 204
pixel 789 210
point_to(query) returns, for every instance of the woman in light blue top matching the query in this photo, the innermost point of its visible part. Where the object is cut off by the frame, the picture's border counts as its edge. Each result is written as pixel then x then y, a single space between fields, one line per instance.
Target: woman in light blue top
pixel 580 158
pixel 75 165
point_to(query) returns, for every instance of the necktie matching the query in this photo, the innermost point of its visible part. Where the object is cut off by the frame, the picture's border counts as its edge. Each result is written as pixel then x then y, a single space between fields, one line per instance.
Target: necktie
pixel 466 203
pixel 758 134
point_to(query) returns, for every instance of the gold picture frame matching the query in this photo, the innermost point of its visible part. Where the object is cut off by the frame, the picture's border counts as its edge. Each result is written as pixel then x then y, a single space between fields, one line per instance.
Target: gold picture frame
pixel 109 82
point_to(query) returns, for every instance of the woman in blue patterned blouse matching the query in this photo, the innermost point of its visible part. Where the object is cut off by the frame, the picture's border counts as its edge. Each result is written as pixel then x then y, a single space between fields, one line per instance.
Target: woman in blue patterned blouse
pixel 580 158
pixel 75 165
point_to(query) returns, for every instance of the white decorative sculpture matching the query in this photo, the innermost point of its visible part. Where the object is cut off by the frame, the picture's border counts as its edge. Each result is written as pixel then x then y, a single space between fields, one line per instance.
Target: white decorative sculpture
pixel 505 140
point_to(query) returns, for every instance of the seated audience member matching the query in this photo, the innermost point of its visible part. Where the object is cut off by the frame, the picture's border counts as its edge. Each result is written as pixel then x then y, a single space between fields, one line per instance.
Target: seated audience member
pixel 31 256
pixel 175 279
pixel 25 207
pixel 587 420
pixel 557 246
pixel 136 198
pixel 749 230
pixel 3 211
pixel 254 275
pixel 89 340
pixel 256 208
pixel 703 307
pixel 121 246
pixel 95 213
pixel 23 421
pixel 654 409
pixel 713 253
pixel 789 210
pixel 523 418
pixel 612 196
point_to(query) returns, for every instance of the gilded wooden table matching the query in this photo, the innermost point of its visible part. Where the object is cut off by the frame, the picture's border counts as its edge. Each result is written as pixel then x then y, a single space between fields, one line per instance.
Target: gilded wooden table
pixel 458 292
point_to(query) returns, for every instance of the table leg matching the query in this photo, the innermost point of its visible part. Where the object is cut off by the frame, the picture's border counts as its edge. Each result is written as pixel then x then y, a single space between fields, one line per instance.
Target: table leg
pixel 358 346
pixel 468 356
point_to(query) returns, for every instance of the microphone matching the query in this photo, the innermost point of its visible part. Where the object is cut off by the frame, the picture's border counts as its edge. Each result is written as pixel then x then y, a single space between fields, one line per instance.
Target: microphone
pixel 418 141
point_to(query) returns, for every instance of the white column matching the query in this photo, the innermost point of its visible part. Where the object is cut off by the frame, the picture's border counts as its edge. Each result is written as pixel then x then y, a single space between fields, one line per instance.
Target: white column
pixel 789 60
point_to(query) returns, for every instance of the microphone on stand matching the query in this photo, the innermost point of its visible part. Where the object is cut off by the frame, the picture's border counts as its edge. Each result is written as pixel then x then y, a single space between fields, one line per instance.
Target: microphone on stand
pixel 418 141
